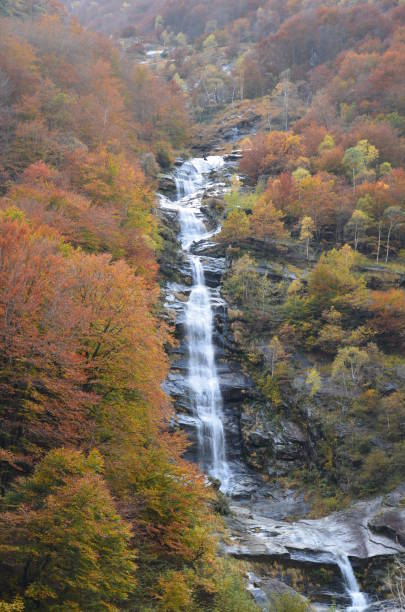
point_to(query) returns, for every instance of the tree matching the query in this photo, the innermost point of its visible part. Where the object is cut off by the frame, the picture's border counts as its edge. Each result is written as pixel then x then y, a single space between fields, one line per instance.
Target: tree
pixel 307 232
pixel 358 160
pixel 333 282
pixel 266 221
pixel 276 353
pixel 318 198
pixel 238 199
pixel 327 143
pixel 358 223
pixel 388 308
pixel 375 198
pixel 393 415
pixel 396 582
pixel 299 175
pixel 244 284
pixel 62 539
pixel 395 216
pixel 236 227
pixel 271 153
pixel 349 366
pixel 73 327
pixel 41 370
pixel 313 382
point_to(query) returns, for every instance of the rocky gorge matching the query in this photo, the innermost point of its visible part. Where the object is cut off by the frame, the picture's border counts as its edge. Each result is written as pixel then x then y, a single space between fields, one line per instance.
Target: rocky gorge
pixel 337 558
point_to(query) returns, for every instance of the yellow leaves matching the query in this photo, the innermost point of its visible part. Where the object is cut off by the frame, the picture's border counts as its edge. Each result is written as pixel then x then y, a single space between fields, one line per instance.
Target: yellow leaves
pixel 314 382
pixel 266 221
pixel 295 287
pixel 175 594
pixel 307 228
pixel 12 213
pixel 236 227
pixel 333 282
pixel 17 605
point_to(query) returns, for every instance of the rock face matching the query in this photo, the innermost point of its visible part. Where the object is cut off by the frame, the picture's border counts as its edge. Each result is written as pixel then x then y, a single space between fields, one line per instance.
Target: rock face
pixel 260 522
pixel 349 533
pixel 390 520
pixel 167 184
pixel 268 445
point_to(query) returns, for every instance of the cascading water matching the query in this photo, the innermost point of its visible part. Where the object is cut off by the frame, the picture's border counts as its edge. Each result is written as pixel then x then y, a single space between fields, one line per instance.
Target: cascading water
pixel 202 373
pixel 359 600
pixel 202 377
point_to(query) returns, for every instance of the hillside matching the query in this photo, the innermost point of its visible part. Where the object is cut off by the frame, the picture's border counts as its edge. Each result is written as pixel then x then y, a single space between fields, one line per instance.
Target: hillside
pixel 202 305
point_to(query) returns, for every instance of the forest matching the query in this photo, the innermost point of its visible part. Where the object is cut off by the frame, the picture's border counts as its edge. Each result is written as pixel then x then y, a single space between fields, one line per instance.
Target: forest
pixel 100 506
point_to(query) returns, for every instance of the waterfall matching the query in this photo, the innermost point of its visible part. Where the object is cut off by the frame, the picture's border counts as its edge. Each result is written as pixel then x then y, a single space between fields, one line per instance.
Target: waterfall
pixel 205 395
pixel 202 373
pixel 359 600
pixel 191 175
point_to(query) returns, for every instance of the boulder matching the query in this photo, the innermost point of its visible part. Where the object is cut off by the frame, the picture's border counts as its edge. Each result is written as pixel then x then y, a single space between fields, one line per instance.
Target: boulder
pixel 167 184
pixel 391 522
pixel 265 591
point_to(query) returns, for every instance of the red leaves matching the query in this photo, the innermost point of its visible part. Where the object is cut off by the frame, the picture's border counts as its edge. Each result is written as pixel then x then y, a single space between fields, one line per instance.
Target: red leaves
pixel 71 326
pixel 41 378
pixel 271 154
pixel 389 315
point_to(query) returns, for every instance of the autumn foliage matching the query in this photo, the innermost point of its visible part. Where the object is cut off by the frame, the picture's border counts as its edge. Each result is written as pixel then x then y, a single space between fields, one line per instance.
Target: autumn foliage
pixel 90 475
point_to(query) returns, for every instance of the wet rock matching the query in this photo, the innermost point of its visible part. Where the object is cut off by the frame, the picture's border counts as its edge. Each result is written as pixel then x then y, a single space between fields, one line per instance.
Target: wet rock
pixel 313 541
pixel 234 156
pixel 181 297
pixel 167 184
pixel 395 498
pixel 213 270
pixel 234 385
pixel 273 501
pixel 209 249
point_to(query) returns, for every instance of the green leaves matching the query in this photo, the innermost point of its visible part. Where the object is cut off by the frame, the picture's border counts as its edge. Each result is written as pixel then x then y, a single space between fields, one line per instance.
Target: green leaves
pixel 70 545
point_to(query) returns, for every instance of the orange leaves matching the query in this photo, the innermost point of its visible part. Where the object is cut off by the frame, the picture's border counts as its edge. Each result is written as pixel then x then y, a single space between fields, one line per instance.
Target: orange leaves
pixel 100 114
pixel 63 99
pixel 19 62
pixel 266 221
pixel 71 325
pixel 40 368
pixel 271 154
pixel 158 109
pixel 389 315
pixel 118 218
pixel 119 345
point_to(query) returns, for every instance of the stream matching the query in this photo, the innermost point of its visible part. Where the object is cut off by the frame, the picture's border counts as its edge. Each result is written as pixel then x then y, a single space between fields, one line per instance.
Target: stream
pixel 331 541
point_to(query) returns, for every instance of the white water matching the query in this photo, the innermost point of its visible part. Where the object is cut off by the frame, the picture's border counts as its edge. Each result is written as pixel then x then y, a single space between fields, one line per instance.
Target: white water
pixel 203 381
pixel 359 600
pixel 202 373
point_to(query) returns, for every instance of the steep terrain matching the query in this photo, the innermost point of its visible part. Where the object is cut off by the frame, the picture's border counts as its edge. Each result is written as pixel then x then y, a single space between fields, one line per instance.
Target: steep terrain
pixel 261 294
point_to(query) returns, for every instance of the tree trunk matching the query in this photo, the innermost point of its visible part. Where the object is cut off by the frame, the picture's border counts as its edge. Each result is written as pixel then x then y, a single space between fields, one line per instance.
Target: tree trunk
pixel 379 242
pixel 388 243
